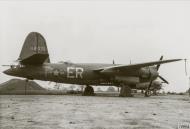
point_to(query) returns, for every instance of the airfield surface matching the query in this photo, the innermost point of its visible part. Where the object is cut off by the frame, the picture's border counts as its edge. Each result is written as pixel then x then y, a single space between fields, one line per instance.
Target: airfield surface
pixel 80 112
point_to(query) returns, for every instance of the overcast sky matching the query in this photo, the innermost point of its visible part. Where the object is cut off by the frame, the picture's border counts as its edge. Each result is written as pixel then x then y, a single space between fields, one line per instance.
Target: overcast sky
pixel 92 31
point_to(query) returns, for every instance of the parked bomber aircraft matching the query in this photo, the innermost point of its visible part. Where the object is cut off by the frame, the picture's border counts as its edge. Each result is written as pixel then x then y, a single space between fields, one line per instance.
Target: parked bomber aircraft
pixel 34 63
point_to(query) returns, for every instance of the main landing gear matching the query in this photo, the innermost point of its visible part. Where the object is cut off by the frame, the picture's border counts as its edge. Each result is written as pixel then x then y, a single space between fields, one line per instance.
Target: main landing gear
pixel 88 91
pixel 147 93
pixel 125 91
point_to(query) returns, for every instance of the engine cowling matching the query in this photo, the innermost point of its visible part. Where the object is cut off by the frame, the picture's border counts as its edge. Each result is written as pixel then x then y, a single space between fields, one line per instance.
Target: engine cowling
pixel 148 73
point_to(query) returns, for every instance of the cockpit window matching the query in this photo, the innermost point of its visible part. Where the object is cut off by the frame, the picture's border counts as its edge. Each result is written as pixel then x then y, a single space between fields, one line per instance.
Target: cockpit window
pixel 17 66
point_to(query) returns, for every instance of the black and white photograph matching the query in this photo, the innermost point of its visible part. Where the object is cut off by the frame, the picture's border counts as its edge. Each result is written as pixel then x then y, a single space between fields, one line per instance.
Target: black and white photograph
pixel 94 64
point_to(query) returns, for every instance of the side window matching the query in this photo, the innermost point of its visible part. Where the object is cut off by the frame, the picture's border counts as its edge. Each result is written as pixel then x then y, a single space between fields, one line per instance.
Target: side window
pixel 19 66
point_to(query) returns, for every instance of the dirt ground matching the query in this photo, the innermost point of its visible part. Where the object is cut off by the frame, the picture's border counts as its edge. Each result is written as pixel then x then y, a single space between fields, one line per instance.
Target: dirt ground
pixel 80 112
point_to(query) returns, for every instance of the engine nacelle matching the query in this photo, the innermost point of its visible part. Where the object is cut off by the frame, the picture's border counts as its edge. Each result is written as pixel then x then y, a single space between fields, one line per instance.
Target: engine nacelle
pixel 142 85
pixel 127 80
pixel 148 73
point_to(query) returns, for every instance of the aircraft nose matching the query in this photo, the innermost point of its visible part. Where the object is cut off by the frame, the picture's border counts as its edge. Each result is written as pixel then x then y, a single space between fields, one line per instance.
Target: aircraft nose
pixel 8 72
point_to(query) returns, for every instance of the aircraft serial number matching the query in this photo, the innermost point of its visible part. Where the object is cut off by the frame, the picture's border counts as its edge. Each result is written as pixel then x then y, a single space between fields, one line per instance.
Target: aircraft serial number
pixel 39 48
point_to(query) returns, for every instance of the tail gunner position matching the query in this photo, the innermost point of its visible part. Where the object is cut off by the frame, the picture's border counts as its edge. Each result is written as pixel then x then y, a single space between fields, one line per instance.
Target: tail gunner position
pixel 34 63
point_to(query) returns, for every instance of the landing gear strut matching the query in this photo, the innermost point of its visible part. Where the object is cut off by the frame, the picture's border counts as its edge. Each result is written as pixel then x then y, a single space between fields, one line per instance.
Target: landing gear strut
pixel 88 91
pixel 125 91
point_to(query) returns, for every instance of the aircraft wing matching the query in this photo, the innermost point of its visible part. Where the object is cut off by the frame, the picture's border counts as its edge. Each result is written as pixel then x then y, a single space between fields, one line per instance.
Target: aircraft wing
pixel 133 66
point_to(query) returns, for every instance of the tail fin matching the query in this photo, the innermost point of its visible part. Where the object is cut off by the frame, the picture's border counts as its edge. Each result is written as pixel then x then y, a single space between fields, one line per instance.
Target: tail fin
pixel 34 50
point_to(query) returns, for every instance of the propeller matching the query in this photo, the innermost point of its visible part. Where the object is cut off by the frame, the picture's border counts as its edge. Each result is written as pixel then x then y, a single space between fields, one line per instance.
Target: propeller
pixel 157 67
pixel 164 80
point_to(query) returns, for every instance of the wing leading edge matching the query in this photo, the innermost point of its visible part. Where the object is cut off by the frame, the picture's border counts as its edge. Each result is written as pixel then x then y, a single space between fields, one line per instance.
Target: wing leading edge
pixel 133 66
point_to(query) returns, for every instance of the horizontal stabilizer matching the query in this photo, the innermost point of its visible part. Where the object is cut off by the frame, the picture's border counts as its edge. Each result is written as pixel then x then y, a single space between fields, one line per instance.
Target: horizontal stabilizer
pixel 35 59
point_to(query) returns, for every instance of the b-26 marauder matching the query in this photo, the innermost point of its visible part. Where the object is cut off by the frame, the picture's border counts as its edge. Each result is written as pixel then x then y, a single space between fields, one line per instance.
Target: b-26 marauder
pixel 34 63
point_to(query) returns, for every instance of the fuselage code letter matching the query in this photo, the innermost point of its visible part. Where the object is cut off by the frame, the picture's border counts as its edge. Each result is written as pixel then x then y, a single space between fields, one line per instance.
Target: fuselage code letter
pixel 74 72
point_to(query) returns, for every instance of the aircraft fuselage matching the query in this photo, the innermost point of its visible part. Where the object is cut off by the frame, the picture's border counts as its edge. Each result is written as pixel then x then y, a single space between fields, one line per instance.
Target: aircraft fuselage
pixel 81 74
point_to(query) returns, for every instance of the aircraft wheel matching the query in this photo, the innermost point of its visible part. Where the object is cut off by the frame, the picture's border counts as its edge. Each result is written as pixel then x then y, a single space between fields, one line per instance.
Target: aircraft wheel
pixel 147 93
pixel 125 91
pixel 88 91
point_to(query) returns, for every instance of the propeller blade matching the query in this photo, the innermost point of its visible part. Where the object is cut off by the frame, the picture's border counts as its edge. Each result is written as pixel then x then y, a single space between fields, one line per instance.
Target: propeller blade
pixel 161 57
pixel 163 79
pixel 158 66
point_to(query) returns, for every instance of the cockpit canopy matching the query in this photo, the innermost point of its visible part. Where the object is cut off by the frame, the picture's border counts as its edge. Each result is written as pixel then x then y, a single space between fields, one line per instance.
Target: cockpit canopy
pixel 65 62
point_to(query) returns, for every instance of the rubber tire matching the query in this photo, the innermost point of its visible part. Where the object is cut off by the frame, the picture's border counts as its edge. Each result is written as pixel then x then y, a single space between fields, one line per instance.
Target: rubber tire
pixel 125 91
pixel 88 91
pixel 147 93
